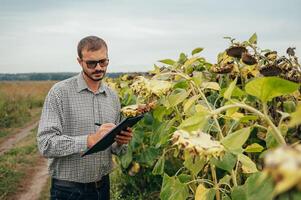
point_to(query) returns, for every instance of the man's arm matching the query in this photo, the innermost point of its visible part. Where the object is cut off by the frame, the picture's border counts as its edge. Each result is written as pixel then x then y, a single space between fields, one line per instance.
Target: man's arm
pixel 50 138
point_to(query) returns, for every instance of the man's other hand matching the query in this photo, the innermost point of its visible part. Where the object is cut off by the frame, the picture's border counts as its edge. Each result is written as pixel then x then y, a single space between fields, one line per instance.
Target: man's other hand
pixel 100 133
pixel 124 137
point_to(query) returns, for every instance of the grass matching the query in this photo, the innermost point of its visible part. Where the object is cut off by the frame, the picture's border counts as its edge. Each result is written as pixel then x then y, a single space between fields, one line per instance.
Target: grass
pixel 20 102
pixel 15 164
pixel 6 133
pixel 33 89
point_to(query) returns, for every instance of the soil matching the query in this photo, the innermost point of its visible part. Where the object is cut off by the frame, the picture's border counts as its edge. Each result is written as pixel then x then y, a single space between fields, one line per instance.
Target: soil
pixel 34 182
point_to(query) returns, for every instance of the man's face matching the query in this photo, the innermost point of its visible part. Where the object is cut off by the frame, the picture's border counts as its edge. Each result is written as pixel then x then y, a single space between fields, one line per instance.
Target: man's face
pixel 94 63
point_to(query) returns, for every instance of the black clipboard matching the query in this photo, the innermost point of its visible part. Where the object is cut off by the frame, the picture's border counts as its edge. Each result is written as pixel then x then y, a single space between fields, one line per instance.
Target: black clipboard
pixel 109 138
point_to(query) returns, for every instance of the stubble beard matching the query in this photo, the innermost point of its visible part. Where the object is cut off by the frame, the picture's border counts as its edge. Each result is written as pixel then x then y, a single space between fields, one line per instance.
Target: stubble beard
pixel 96 72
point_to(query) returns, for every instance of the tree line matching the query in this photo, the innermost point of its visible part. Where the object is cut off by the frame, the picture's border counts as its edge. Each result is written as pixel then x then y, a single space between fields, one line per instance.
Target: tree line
pixel 46 76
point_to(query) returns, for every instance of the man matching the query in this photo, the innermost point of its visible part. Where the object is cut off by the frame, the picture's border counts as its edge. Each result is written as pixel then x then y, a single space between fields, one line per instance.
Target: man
pixel 67 127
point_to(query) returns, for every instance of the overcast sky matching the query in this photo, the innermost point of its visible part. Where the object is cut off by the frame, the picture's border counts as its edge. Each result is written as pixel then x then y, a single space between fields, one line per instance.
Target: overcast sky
pixel 42 35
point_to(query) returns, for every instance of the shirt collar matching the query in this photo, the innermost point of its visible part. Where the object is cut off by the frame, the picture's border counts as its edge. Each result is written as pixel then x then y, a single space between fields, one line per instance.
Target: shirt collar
pixel 82 85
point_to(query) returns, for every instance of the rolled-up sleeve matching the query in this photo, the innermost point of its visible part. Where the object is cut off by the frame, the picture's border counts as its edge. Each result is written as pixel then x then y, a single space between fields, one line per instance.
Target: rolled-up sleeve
pixel 50 138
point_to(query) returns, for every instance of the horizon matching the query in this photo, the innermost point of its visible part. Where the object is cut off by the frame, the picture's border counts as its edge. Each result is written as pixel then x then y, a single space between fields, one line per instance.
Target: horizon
pixel 67 72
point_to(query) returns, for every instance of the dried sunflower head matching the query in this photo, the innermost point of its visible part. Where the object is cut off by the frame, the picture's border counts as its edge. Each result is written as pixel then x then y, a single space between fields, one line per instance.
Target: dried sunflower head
pixel 284 64
pixel 225 64
pixel 270 70
pixel 137 109
pixel 293 75
pixel 146 87
pixel 284 164
pixel 248 59
pixel 236 51
pixel 130 111
pixel 124 77
pixel 127 77
pixel 249 71
pixel 291 51
pixel 141 86
pixel 223 69
pixel 159 87
pixel 271 55
pixel 112 84
pixel 197 143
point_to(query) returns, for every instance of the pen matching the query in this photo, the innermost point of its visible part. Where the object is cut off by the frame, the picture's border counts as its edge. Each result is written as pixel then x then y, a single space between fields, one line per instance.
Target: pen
pixel 97 124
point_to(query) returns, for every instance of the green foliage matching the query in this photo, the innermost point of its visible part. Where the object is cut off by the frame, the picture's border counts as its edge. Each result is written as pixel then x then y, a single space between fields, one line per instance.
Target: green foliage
pixel 159 167
pixel 204 193
pixel 253 39
pixel 248 166
pixel 267 88
pixel 194 123
pixel 197 50
pixel 148 156
pixel 234 141
pixel 256 187
pixel 254 148
pixel 142 186
pixel 127 158
pixel 13 111
pixel 270 140
pixel 194 163
pixel 227 162
pixel 167 61
pixel 296 117
pixel 173 189
pixel 177 96
pixel 229 90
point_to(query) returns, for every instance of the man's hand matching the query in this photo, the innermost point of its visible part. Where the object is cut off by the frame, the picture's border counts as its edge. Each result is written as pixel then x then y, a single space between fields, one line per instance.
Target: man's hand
pixel 102 131
pixel 124 137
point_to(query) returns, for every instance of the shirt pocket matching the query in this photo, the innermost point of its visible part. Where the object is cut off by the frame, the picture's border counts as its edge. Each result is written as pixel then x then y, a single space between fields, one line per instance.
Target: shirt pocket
pixel 109 115
pixel 109 112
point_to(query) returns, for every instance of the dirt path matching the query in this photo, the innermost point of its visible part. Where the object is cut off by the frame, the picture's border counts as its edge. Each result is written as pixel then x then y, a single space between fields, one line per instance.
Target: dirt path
pixel 38 175
pixel 36 182
pixel 11 141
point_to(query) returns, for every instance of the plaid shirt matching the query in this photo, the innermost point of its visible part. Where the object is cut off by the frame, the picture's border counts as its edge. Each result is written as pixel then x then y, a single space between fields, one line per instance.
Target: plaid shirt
pixel 69 113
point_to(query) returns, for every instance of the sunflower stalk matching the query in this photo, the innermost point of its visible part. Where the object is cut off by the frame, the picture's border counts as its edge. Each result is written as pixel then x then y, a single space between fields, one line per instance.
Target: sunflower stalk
pixel 213 173
pixel 276 132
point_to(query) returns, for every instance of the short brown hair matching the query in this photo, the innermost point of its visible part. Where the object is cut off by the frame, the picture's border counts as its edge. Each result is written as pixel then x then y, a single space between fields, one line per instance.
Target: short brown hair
pixel 91 43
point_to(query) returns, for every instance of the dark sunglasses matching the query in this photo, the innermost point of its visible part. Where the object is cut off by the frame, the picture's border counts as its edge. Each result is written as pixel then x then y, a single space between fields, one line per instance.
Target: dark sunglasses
pixel 91 64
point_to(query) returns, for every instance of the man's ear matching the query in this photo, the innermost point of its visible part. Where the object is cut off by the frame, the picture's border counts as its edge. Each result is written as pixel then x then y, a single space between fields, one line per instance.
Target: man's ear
pixel 79 61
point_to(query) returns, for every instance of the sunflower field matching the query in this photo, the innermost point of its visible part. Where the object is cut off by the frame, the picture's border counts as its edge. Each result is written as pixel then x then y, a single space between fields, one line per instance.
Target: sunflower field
pixel 229 130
